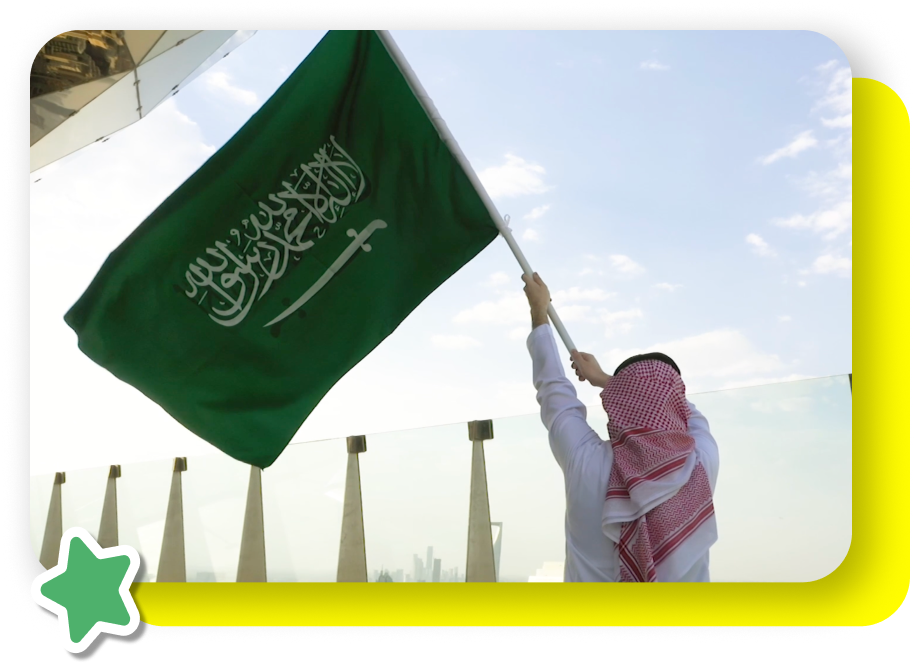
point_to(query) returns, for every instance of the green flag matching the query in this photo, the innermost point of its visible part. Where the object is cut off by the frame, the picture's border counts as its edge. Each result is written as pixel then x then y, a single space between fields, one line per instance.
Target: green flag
pixel 288 256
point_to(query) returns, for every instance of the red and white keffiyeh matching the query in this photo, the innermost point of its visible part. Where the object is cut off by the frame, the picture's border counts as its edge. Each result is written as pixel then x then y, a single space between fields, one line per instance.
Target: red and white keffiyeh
pixel 659 509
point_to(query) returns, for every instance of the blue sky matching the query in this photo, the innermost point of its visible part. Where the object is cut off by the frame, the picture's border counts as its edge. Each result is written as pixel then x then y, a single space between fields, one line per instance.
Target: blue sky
pixel 682 191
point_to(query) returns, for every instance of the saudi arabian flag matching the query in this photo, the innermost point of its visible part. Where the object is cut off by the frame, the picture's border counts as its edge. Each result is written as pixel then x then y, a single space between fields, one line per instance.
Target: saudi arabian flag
pixel 288 256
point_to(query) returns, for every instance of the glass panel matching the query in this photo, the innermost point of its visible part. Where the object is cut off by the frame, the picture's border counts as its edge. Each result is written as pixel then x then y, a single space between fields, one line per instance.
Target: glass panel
pixel 416 502
pixel 303 511
pixel 113 110
pixel 527 495
pixel 168 40
pixel 215 492
pixel 40 487
pixel 230 45
pixel 81 499
pixel 142 500
pixel 140 41
pixel 783 498
pixel 47 112
pixel 161 75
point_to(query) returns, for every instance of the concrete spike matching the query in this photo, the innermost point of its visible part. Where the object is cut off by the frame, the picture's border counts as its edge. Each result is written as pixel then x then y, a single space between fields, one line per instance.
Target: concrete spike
pixel 53 529
pixel 480 553
pixel 171 560
pixel 107 528
pixel 252 560
pixel 352 565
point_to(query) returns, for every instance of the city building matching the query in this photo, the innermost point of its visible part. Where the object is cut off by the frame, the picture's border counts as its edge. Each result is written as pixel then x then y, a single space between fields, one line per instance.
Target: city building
pixel 550 572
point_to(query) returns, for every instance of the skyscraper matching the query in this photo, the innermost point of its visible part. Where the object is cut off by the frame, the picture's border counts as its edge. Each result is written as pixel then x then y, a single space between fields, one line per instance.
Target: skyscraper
pixel 436 573
pixel 428 564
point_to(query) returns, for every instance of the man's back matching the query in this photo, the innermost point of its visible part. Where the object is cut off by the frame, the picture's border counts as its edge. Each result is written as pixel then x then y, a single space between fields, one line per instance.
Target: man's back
pixel 586 461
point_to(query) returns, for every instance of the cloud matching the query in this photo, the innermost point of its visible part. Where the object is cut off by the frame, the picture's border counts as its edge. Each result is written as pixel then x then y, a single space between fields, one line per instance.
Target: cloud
pixel 510 309
pixel 833 217
pixel 172 148
pixel 454 342
pixel 759 246
pixel 832 185
pixel 574 312
pixel 515 177
pixel 839 122
pixel 625 266
pixel 498 279
pixel 220 83
pixel 672 288
pixel 718 354
pixel 837 97
pixel 531 235
pixel 763 380
pixel 799 144
pixel 519 333
pixel 619 322
pixel 784 319
pixel 575 294
pixel 536 212
pixel 654 65
pixel 832 264
pixel 829 222
pixel 80 211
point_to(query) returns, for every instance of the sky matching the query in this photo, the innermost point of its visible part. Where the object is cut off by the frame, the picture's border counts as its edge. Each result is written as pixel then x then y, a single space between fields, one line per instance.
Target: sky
pixel 687 192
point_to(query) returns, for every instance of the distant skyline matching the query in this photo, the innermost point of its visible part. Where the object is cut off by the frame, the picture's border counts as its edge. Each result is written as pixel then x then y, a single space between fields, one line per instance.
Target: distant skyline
pixel 447 574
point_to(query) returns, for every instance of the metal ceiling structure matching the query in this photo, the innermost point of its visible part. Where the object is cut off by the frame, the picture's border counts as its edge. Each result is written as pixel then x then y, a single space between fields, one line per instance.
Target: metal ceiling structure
pixel 88 84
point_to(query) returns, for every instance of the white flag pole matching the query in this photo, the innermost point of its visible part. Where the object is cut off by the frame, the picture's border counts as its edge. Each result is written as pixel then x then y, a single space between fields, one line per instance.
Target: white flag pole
pixel 448 139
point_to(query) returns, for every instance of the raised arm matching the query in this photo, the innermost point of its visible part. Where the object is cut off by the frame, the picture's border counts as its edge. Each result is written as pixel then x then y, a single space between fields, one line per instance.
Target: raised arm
pixel 563 414
pixel 538 297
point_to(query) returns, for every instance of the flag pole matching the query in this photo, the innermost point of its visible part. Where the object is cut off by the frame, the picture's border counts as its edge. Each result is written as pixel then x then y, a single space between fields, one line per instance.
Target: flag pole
pixel 397 55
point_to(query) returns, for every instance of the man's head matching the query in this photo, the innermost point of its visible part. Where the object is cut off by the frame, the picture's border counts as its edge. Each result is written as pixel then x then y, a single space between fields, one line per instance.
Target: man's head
pixel 666 359
pixel 646 391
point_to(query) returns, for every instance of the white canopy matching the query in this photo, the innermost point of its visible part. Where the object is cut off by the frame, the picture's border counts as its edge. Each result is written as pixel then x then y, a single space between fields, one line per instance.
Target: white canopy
pixel 88 84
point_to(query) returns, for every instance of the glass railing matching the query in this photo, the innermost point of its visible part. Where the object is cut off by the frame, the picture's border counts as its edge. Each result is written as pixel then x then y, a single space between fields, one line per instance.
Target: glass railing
pixel 783 498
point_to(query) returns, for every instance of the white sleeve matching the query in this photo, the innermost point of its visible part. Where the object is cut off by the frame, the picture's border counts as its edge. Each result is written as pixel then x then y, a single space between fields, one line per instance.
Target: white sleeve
pixel 705 445
pixel 564 416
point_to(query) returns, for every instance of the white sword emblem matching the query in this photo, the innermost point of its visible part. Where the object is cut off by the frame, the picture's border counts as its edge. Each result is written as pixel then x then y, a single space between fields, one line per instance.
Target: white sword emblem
pixel 359 242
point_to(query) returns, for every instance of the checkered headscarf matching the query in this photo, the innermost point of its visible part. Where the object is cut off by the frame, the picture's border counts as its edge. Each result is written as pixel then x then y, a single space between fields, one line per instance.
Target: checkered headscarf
pixel 659 495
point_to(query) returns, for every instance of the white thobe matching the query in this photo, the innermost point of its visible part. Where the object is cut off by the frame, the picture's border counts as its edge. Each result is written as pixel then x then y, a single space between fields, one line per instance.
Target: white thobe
pixel 586 459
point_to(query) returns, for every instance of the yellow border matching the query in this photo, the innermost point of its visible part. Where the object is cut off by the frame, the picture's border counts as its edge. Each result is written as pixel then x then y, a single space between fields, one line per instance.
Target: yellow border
pixel 866 588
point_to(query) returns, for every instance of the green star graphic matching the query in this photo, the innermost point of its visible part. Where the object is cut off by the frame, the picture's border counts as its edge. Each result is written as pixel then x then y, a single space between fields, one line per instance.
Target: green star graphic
pixel 88 589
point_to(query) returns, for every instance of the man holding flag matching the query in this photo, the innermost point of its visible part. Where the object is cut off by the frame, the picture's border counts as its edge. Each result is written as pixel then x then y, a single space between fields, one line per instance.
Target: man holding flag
pixel 639 507
pixel 307 239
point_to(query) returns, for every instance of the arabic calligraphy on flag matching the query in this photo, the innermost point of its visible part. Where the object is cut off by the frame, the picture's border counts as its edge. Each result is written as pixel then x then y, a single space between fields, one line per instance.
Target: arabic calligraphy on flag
pixel 236 272
pixel 288 256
